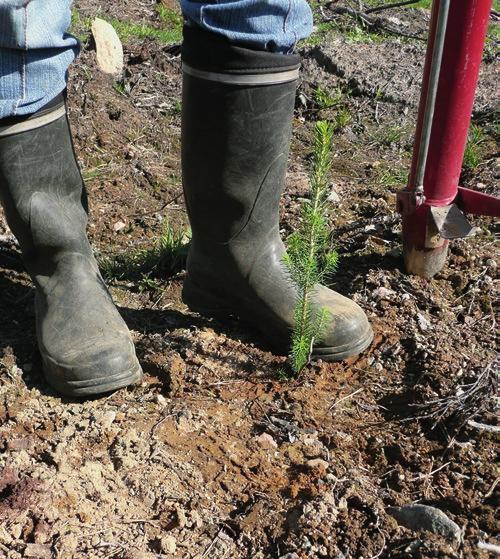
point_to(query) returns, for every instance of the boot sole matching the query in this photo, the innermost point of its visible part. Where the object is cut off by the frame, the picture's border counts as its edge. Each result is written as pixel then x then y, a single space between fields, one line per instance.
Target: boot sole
pixel 54 375
pixel 214 310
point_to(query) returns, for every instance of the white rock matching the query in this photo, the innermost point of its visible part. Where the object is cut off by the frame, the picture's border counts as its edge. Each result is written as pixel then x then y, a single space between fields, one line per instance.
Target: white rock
pixel 119 226
pixel 168 544
pixel 108 418
pixel 423 323
pixel 161 400
pixel 333 196
pixel 108 47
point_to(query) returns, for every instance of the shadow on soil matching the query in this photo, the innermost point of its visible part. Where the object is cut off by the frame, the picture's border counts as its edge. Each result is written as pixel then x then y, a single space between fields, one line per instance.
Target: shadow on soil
pixel 18 337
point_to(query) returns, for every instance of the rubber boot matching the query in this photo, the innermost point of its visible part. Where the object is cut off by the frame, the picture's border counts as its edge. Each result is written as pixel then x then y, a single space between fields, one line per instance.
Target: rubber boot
pixel 85 345
pixel 237 112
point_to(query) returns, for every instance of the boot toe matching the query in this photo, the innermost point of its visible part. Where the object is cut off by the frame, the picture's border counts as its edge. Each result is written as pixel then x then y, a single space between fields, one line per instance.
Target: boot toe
pixel 85 345
pixel 95 370
pixel 348 333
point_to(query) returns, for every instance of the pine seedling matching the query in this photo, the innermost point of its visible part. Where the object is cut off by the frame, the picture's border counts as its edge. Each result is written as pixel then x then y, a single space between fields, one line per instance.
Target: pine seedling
pixel 309 260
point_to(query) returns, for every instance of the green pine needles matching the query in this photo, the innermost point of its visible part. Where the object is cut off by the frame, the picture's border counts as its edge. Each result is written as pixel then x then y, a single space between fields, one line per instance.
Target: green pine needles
pixel 309 259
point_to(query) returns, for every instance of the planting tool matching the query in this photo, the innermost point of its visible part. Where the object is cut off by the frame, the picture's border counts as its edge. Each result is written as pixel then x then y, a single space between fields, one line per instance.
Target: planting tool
pixel 433 205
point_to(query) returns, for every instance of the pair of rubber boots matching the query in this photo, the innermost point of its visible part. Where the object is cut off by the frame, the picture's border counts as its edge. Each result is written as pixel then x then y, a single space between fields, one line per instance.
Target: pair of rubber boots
pixel 236 126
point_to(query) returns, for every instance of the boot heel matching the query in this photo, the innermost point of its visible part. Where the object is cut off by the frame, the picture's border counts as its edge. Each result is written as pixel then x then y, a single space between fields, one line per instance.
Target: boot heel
pixel 202 301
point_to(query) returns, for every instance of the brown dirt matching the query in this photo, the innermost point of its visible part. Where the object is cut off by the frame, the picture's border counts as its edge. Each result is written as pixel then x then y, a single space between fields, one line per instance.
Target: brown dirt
pixel 214 455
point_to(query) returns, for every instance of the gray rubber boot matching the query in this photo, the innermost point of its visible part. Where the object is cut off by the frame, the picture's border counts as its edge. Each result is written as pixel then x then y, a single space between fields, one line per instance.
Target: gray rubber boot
pixel 85 345
pixel 237 112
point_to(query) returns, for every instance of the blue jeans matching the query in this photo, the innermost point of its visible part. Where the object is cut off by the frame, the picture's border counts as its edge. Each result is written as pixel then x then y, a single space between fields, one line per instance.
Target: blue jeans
pixel 36 50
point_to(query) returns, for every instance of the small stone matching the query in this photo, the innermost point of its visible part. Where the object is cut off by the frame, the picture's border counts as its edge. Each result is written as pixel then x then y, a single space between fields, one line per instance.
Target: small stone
pixel 5 537
pixel 423 323
pixel 424 517
pixel 168 544
pixel 333 196
pixel 161 400
pixel 317 463
pixel 396 21
pixel 39 551
pixel 289 556
pixel 266 441
pixel 196 520
pixel 108 47
pixel 413 546
pixel 108 418
pixel 181 517
pixel 119 226
pixel 139 554
pixel 383 293
pixel 313 448
pixel 24 443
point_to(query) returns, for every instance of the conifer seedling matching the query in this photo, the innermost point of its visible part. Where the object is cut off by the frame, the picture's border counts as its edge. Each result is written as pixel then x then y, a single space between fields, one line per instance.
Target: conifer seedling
pixel 309 259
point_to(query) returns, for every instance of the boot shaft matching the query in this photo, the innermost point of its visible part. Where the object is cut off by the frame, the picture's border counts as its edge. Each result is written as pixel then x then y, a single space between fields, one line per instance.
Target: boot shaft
pixel 236 126
pixel 41 188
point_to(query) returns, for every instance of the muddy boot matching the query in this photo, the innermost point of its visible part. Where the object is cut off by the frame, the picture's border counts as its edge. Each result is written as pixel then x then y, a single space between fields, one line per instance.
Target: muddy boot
pixel 85 345
pixel 237 114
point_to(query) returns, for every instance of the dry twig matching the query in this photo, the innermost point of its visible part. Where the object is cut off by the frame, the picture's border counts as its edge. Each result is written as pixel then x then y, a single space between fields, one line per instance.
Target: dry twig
pixel 368 21
pixel 467 401
pixel 389 6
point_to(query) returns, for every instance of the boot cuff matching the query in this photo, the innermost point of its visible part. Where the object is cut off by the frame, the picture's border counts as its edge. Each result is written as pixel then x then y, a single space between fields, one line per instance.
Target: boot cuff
pixel 47 114
pixel 204 51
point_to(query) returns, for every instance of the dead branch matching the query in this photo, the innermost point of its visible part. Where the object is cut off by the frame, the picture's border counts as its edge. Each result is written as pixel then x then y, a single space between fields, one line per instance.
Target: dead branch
pixel 483 427
pixel 344 398
pixel 389 6
pixel 376 24
pixel 466 402
pixel 489 547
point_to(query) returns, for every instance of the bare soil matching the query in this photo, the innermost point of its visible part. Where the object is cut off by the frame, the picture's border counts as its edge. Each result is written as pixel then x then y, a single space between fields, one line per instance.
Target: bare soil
pixel 215 455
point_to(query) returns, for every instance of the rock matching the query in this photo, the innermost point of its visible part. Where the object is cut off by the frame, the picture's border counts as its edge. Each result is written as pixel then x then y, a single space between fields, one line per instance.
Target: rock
pixel 423 323
pixel 108 418
pixel 119 226
pixel 317 463
pixel 333 197
pixel 24 443
pixel 266 441
pixel 139 554
pixel 383 293
pixel 168 544
pixel 289 556
pixel 39 551
pixel 5 537
pixel 196 520
pixel 424 517
pixel 108 47
pixel 312 448
pixel 161 400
